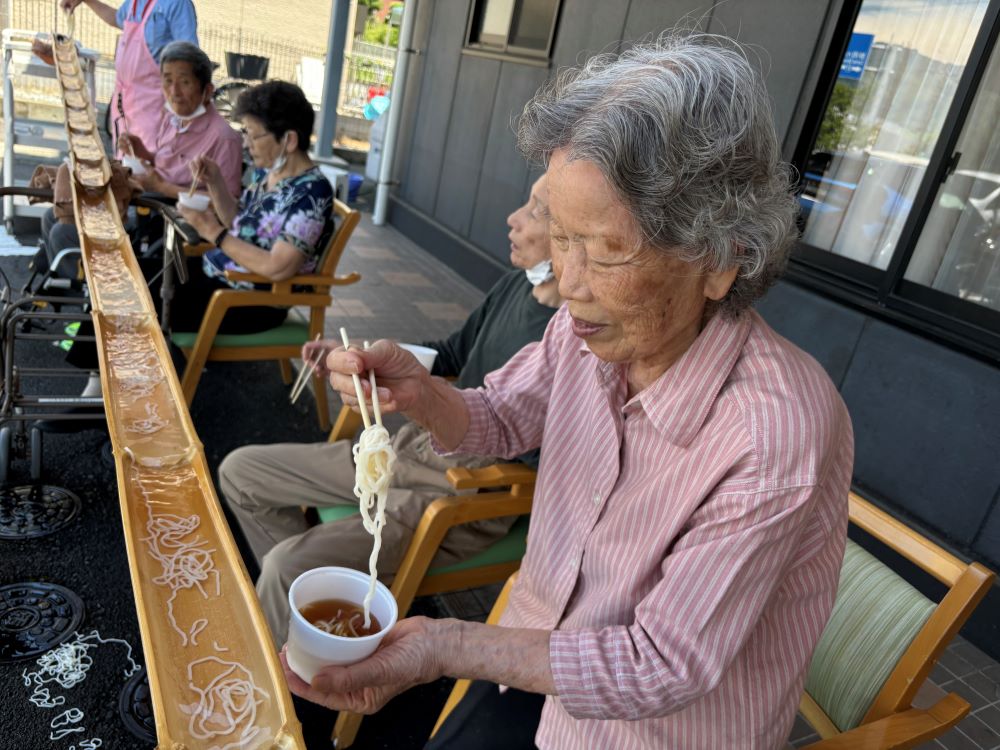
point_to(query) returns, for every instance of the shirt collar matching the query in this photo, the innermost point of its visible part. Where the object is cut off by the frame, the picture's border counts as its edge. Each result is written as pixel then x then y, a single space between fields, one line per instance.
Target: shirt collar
pixel 679 401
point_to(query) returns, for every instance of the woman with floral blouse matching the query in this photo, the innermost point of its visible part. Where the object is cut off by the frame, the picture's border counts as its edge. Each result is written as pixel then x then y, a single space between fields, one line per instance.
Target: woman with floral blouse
pixel 282 222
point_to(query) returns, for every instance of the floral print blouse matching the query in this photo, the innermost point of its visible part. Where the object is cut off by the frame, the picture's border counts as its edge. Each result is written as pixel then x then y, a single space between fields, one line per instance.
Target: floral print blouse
pixel 299 211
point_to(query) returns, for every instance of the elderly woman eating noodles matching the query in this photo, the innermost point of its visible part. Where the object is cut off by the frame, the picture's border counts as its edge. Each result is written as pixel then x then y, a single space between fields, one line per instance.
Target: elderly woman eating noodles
pixel 690 513
pixel 279 226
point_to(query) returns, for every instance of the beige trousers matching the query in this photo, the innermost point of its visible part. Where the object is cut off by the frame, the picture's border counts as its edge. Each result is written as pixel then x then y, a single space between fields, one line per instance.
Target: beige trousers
pixel 266 485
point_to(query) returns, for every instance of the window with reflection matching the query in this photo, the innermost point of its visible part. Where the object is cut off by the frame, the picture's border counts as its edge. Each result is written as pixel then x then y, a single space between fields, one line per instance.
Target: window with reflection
pixel 898 79
pixel 515 28
pixel 957 252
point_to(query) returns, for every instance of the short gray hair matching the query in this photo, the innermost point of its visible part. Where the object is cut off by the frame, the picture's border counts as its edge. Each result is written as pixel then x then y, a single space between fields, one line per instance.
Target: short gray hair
pixel 180 51
pixel 682 130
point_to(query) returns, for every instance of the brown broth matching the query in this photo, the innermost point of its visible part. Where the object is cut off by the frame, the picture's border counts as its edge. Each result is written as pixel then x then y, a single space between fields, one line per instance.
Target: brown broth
pixel 339 617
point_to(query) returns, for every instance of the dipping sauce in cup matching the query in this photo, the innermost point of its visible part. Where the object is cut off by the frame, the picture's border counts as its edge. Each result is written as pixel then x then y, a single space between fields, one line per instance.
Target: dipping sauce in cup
pixel 424 354
pixel 311 648
pixel 196 202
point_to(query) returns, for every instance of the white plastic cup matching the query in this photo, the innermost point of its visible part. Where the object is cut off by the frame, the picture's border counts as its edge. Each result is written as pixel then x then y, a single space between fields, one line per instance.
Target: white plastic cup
pixel 137 167
pixel 424 354
pixel 309 648
pixel 196 202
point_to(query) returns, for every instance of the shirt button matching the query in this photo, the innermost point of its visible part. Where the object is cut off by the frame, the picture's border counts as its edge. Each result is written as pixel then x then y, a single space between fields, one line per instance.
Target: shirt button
pixel 597 498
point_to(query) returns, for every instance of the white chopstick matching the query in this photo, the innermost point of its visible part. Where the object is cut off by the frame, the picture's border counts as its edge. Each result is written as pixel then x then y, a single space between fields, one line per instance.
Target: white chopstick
pixel 375 405
pixel 357 385
pixel 308 368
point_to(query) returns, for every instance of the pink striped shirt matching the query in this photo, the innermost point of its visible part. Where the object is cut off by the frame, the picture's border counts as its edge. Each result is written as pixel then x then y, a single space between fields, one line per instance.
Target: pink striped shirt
pixel 685 544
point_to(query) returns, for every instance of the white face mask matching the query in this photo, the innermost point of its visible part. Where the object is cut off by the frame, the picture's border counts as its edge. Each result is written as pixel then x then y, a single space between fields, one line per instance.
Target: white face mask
pixel 539 274
pixel 282 159
pixel 182 123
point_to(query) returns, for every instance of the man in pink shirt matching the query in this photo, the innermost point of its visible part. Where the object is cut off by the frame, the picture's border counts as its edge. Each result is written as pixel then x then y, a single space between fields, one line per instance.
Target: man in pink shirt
pixel 190 127
pixel 690 513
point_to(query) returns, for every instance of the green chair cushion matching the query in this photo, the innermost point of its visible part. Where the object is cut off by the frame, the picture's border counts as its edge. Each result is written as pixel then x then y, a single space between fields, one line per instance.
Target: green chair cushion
pixel 508 549
pixel 875 617
pixel 289 333
pixel 336 512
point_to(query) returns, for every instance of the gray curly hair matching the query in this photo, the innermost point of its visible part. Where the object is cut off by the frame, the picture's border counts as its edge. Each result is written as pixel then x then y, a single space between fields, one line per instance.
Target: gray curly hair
pixel 682 130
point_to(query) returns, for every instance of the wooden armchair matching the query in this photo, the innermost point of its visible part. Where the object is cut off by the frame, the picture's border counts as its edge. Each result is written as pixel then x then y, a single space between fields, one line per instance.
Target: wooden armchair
pixel 879 646
pixel 882 640
pixel 510 492
pixel 284 342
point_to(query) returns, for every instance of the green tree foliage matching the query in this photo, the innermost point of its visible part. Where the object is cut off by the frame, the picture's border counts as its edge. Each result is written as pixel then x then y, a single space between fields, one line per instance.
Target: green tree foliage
pixel 831 131
pixel 377 32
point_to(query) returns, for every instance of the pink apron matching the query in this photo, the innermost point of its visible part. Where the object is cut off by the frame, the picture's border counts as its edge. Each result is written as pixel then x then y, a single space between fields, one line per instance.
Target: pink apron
pixel 137 81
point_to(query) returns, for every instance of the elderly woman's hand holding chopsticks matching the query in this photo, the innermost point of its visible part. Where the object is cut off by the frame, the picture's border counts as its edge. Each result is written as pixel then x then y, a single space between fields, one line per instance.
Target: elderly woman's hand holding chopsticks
pixel 404 385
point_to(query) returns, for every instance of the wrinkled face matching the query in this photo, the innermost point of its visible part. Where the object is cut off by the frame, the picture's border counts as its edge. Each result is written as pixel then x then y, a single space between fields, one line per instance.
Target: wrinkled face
pixel 260 142
pixel 529 228
pixel 181 87
pixel 630 302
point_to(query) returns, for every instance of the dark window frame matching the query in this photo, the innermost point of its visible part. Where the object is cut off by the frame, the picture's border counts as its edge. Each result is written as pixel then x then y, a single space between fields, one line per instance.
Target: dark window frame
pixel 963 325
pixel 506 50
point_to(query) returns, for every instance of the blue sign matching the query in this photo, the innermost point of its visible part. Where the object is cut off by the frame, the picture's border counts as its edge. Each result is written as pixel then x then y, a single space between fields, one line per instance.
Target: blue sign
pixel 856 56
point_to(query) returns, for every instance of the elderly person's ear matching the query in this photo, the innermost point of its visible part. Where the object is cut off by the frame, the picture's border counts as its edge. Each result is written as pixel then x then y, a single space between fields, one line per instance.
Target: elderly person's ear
pixel 718 283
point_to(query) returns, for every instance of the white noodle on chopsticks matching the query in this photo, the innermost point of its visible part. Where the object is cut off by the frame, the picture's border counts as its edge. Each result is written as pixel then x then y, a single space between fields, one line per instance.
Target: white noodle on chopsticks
pixel 374 459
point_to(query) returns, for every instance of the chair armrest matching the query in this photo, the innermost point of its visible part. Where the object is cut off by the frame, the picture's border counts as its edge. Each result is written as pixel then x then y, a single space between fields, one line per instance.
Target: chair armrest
pixel 195 251
pixel 459 509
pixel 309 280
pixel 497 475
pixel 899 731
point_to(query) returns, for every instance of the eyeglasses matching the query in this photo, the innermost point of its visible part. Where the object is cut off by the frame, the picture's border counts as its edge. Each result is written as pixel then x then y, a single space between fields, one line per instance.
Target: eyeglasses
pixel 247 134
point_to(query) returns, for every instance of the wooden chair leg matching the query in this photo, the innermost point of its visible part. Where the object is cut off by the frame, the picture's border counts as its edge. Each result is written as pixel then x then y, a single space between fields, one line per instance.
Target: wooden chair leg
pixel 286 371
pixel 347 424
pixel 322 407
pixel 203 343
pixel 345 731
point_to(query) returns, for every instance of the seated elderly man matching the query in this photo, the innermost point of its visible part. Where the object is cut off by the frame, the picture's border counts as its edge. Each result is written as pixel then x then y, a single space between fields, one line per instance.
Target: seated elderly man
pixel 190 128
pixel 266 485
pixel 690 513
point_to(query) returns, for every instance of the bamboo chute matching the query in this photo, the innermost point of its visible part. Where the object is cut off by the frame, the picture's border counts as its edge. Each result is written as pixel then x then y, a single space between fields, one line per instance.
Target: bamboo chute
pixel 214 676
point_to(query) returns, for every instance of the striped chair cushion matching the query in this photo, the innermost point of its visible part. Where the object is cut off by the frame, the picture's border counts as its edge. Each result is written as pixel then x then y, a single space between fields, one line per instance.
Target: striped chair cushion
pixel 875 617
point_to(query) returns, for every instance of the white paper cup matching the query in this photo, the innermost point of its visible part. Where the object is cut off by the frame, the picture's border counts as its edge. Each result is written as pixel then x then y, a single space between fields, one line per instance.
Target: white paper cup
pixel 309 648
pixel 137 167
pixel 424 354
pixel 196 202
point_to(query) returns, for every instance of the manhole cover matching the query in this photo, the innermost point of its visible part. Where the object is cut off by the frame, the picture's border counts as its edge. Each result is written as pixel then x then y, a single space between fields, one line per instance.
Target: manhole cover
pixel 35 510
pixel 136 709
pixel 35 617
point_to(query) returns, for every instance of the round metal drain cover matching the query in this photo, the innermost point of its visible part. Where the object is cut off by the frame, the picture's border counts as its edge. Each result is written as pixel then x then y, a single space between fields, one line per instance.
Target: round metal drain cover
pixel 136 708
pixel 35 617
pixel 35 510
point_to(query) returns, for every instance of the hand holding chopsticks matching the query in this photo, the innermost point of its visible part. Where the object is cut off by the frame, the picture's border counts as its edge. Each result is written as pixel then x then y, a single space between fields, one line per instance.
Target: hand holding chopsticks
pixel 308 368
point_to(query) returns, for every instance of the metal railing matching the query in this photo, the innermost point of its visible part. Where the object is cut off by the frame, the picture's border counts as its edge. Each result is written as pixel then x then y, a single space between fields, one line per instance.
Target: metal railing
pixel 369 66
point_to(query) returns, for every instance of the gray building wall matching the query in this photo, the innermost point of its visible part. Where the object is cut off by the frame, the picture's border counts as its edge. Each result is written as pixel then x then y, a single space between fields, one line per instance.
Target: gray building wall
pixel 459 172
pixel 925 417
